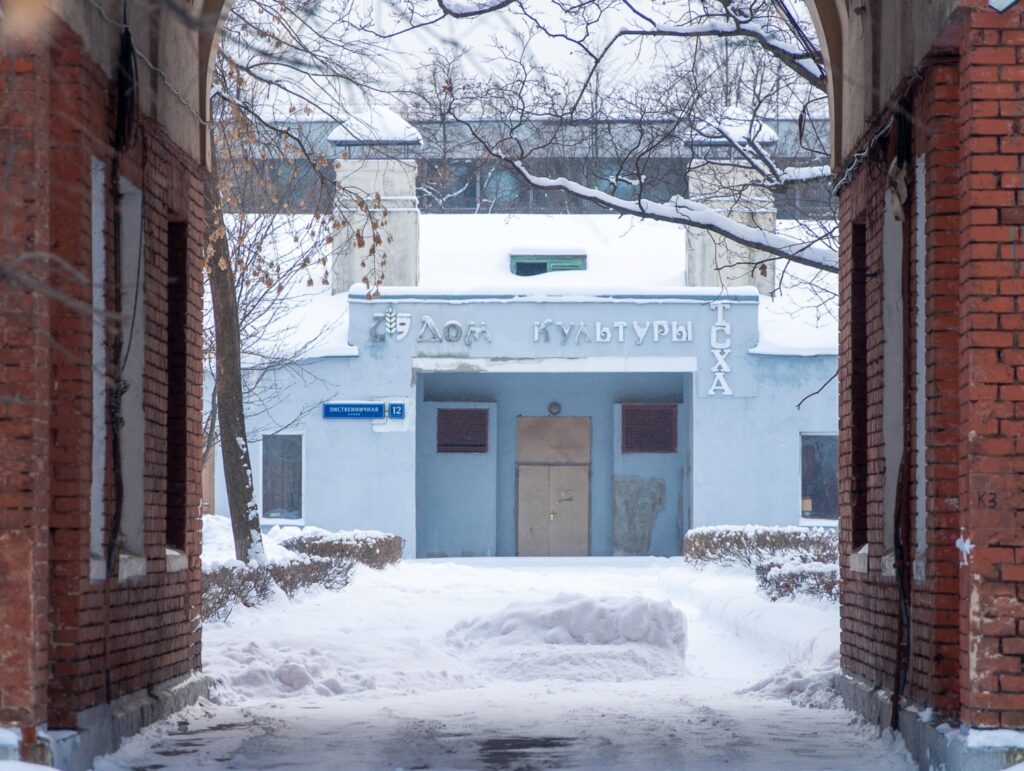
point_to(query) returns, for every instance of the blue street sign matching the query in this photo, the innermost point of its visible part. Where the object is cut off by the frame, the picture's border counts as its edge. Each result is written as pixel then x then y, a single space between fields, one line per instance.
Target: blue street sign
pixel 396 410
pixel 355 411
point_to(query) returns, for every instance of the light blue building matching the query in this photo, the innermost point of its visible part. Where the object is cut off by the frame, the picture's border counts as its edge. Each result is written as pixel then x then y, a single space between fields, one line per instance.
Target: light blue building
pixel 599 410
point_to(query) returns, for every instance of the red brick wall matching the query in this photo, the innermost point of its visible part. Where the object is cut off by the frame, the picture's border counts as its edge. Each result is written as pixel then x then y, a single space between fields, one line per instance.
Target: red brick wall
pixel 935 599
pixel 992 394
pixel 24 390
pixel 99 640
pixel 869 612
pixel 871 603
pixel 967 620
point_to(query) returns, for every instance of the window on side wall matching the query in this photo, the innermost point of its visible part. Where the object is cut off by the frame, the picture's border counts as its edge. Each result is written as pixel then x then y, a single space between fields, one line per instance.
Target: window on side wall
pixel 650 428
pixel 282 476
pixel 819 476
pixel 462 430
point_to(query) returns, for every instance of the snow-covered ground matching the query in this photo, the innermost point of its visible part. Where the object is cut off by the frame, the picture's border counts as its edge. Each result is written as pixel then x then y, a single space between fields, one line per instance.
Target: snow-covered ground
pixel 599 663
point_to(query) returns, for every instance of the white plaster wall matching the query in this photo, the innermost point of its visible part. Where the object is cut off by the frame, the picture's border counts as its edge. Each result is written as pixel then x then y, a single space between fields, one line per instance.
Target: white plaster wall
pixel 395 182
pixel 713 260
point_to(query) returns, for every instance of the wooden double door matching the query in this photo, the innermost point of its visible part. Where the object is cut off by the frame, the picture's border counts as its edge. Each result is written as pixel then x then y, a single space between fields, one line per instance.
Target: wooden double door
pixel 553 487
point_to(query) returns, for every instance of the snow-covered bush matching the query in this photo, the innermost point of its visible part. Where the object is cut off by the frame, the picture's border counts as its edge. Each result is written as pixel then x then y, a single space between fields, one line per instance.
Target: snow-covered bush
pixel 298 558
pixel 786 560
pixel 810 579
pixel 370 548
pixel 316 571
pixel 230 585
pixel 753 545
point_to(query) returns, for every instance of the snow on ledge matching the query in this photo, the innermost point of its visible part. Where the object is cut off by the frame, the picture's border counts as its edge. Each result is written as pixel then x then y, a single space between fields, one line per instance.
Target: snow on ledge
pixel 504 292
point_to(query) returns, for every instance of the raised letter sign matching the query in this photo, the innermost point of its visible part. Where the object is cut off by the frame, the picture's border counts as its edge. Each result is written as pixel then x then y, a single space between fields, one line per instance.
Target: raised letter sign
pixel 428 331
pixel 721 347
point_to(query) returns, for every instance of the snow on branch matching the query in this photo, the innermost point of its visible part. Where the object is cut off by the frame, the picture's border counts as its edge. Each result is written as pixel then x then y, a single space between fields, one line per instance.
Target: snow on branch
pixel 803 174
pixel 749 148
pixel 692 213
pixel 467 9
pixel 806 64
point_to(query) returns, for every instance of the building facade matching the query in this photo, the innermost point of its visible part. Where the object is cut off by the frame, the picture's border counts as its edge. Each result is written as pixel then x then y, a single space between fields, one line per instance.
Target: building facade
pixel 926 131
pixel 101 244
pixel 931 303
pixel 478 424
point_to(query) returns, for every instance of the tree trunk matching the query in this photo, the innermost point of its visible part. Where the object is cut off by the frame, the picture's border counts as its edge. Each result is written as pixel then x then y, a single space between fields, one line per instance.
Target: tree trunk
pixel 245 517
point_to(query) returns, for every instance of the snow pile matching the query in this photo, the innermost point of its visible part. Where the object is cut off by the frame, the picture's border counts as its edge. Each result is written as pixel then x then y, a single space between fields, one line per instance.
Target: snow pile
pixel 577 638
pixel 219 546
pixel 802 685
pixel 393 673
pixel 797 631
pixel 275 671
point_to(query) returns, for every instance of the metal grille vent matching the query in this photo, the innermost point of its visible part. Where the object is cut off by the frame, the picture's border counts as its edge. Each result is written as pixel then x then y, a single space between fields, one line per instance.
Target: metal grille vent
pixel 462 430
pixel 649 427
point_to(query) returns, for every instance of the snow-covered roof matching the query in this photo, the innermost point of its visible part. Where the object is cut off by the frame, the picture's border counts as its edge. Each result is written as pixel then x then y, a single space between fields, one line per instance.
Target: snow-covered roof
pixel 469 254
pixel 472 252
pixel 737 124
pixel 801 319
pixel 374 126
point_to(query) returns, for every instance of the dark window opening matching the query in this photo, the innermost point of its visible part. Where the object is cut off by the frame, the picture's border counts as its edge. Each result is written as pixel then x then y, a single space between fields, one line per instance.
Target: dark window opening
pixel 177 378
pixel 462 430
pixel 858 420
pixel 650 428
pixel 819 477
pixel 282 476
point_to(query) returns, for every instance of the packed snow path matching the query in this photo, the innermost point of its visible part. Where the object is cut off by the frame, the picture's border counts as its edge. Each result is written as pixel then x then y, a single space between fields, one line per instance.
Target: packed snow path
pixel 522 664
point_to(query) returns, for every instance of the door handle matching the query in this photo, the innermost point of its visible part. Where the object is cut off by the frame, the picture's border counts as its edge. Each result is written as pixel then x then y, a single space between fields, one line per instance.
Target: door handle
pixel 552 516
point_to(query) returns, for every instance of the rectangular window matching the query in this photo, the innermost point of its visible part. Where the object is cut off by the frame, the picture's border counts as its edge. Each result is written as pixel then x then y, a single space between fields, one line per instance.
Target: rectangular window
pixel 858 420
pixel 650 428
pixel 282 476
pixel 177 376
pixel 819 476
pixel 133 431
pixel 97 497
pixel 462 430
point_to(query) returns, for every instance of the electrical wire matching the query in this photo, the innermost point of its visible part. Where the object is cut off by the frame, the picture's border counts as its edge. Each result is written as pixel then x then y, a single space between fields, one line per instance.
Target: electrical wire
pixel 812 50
pixel 861 155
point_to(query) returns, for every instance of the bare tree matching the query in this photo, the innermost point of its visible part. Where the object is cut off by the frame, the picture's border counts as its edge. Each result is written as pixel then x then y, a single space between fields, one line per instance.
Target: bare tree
pixel 629 82
pixel 279 60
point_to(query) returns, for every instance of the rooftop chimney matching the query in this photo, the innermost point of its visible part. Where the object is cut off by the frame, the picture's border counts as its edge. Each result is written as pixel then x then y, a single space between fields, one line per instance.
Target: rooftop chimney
pixel 713 260
pixel 375 148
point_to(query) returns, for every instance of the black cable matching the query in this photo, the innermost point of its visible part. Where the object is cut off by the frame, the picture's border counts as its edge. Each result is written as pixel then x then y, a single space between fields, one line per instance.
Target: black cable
pixel 813 51
pixel 126 95
pixel 116 419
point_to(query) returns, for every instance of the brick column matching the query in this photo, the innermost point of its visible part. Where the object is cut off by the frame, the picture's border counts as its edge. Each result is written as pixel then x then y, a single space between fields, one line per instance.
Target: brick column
pixel 24 382
pixel 992 367
pixel 936 596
